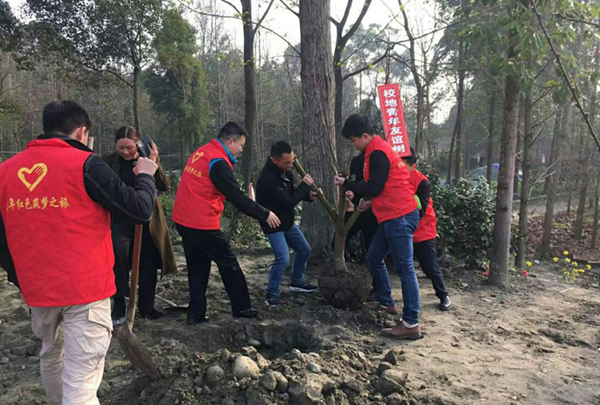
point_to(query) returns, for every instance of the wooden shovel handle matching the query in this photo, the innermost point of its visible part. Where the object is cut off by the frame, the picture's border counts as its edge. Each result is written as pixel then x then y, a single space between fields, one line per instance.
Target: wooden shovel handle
pixel 135 273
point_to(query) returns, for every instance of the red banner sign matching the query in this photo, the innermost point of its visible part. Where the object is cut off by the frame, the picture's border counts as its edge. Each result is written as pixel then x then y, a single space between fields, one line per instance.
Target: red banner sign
pixel 393 118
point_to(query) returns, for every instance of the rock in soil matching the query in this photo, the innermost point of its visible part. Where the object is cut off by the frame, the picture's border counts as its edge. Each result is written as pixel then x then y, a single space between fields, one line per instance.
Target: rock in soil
pixel 282 382
pixel 392 381
pixel 245 367
pixel 269 381
pixel 214 374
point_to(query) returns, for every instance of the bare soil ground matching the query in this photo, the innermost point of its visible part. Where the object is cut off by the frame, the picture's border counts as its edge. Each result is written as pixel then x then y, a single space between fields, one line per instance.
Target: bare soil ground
pixel 538 342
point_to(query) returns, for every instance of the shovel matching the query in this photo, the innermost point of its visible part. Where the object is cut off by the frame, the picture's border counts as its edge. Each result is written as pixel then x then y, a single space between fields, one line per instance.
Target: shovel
pixel 133 348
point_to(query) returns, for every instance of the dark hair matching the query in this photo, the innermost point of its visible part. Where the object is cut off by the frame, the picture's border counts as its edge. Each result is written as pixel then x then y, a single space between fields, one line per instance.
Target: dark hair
pixel 232 130
pixel 279 148
pixel 356 125
pixel 412 159
pixel 127 132
pixel 65 117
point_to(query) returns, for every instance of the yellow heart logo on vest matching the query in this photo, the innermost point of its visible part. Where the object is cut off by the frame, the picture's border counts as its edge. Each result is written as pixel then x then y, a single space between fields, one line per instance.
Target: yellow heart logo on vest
pixel 39 169
pixel 197 156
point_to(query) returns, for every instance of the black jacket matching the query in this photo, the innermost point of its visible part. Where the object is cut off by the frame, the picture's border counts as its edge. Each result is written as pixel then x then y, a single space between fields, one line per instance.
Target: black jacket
pixel 222 177
pixel 104 187
pixel 275 191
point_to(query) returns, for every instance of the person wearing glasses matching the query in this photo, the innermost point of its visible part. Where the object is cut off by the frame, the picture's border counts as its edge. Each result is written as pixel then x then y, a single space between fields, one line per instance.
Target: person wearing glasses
pixel 207 181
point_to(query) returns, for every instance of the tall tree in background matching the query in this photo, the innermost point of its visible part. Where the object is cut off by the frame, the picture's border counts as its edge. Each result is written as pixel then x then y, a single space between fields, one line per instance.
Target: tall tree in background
pixel 557 162
pixel 176 83
pixel 518 17
pixel 341 40
pixel 250 29
pixel 317 112
pixel 585 166
pixel 112 36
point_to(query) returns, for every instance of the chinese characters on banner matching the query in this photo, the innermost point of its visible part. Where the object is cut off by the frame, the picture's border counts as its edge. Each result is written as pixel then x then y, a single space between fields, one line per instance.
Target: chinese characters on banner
pixel 393 118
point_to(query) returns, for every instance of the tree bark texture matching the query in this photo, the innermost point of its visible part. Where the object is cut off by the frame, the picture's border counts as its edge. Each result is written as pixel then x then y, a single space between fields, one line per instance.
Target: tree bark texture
pixel 317 114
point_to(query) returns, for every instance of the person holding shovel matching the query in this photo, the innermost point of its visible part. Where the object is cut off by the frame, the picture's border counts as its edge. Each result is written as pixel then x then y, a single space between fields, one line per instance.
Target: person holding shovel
pixel 157 251
pixel 386 181
pixel 56 200
pixel 275 190
pixel 206 183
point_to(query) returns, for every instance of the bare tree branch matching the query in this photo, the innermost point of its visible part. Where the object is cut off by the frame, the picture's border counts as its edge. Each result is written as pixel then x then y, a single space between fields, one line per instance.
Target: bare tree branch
pixel 358 71
pixel 233 6
pixel 572 86
pixel 290 9
pixel 257 26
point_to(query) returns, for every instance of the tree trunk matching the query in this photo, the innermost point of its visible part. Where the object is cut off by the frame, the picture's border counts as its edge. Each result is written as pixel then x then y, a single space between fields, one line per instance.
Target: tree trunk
pixel 501 235
pixel 585 178
pixel 558 145
pixel 136 108
pixel 339 100
pixel 519 139
pixel 490 145
pixel 596 215
pixel 317 115
pixel 526 182
pixel 249 91
pixel 555 136
pixel 417 79
pixel 459 114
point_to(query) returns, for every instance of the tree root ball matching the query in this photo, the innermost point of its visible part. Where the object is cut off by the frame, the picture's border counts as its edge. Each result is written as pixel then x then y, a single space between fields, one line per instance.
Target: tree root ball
pixel 343 288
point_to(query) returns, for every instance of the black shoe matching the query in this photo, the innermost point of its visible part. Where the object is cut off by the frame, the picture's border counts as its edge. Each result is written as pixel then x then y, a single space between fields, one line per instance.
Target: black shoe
pixel 246 313
pixel 153 314
pixel 304 287
pixel 445 304
pixel 192 321
pixel 272 301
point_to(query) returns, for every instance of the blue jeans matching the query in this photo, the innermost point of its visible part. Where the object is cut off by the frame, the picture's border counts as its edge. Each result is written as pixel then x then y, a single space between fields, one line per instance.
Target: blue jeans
pixel 395 236
pixel 281 242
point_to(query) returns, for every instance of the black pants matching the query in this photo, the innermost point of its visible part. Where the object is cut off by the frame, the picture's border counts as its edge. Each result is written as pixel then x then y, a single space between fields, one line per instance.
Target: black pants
pixel 367 224
pixel 425 252
pixel 201 248
pixel 122 237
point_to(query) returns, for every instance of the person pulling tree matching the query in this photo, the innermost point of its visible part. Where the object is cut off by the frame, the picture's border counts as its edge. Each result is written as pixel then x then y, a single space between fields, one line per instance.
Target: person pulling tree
pixel 424 246
pixel 275 190
pixel 387 182
pixel 206 183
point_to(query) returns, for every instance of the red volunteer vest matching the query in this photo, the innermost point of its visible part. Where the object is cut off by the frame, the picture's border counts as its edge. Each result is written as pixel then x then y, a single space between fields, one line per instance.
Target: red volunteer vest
pixel 198 203
pixel 397 198
pixel 58 237
pixel 427 225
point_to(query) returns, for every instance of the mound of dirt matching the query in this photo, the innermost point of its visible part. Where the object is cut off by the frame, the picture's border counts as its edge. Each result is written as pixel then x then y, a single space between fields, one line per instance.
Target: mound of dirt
pixel 345 289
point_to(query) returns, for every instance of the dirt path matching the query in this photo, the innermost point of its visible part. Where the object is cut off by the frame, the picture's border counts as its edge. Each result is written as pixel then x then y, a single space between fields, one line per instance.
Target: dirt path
pixel 537 343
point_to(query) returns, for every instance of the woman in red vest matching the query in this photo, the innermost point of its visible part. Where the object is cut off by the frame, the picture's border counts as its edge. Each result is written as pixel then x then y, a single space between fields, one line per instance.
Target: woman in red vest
pixel 386 181
pixel 424 237
pixel 157 252
pixel 56 200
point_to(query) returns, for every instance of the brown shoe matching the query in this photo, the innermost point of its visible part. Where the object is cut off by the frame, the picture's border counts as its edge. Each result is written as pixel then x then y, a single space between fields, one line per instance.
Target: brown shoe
pixel 393 310
pixel 402 332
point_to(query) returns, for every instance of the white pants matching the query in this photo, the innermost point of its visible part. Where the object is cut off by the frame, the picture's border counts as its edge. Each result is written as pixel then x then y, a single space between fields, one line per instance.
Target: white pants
pixel 75 340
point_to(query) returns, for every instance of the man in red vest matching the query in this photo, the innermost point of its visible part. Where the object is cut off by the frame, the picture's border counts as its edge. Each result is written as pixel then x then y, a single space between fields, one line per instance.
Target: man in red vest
pixel 424 237
pixel 56 198
pixel 386 181
pixel 206 183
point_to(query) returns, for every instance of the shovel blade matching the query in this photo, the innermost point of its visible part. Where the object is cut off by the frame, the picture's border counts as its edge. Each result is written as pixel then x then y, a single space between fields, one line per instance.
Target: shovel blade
pixel 136 352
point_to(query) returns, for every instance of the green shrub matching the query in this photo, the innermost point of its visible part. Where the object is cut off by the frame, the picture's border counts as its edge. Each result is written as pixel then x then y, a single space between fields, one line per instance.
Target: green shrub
pixel 465 218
